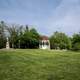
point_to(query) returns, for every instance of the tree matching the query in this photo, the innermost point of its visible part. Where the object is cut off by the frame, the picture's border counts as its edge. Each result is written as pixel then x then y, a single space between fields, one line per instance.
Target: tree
pixel 60 41
pixel 30 39
pixel 2 35
pixel 14 32
pixel 76 42
pixel 35 38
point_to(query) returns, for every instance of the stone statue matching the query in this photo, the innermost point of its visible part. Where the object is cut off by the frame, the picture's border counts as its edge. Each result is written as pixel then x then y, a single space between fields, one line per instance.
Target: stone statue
pixel 7 44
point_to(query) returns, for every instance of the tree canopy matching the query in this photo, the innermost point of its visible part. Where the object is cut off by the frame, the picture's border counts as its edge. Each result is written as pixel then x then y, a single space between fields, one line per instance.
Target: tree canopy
pixel 60 40
pixel 76 42
pixel 24 37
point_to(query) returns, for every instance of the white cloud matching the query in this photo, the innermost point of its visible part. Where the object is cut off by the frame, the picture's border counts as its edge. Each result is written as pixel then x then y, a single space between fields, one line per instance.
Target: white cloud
pixel 66 17
pixel 47 15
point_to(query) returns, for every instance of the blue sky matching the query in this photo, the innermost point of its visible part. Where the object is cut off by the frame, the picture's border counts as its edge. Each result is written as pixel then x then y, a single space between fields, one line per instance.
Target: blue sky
pixel 47 16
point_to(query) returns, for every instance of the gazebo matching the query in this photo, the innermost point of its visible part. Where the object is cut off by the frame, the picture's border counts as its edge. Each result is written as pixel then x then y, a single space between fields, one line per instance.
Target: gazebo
pixel 44 43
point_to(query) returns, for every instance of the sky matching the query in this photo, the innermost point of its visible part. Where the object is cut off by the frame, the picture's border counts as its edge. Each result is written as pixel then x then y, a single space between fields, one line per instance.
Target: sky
pixel 47 16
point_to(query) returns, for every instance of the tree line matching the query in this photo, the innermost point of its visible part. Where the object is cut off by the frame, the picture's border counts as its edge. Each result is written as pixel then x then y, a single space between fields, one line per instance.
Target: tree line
pixel 24 37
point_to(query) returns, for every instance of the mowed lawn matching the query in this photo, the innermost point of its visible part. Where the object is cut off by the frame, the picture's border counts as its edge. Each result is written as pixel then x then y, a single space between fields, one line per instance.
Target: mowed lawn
pixel 37 64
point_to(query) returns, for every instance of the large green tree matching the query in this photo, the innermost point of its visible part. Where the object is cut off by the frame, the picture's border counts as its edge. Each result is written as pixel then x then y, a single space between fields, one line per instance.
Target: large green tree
pixel 76 42
pixel 60 40
pixel 30 39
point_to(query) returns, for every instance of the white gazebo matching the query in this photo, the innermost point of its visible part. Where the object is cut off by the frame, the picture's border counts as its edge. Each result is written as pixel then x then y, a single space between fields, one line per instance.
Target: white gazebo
pixel 44 43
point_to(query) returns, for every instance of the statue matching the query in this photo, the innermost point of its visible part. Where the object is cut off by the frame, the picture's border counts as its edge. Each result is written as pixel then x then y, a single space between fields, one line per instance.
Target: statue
pixel 7 44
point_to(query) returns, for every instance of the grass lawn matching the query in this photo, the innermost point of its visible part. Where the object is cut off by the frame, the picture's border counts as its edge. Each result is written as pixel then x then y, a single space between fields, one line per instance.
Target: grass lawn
pixel 39 65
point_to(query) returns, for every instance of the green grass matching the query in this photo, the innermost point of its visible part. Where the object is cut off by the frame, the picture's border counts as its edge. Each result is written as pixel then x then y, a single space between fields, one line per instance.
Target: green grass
pixel 39 65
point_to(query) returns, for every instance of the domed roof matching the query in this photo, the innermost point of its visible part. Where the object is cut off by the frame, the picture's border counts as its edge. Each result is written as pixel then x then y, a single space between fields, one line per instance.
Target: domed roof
pixel 44 38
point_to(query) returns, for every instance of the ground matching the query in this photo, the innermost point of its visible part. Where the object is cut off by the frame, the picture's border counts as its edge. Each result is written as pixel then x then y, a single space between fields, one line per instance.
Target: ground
pixel 39 65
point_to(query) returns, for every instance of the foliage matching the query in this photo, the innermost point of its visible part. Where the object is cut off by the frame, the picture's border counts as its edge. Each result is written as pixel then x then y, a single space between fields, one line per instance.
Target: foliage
pixel 60 41
pixel 19 36
pixel 2 35
pixel 24 37
pixel 14 32
pixel 76 42
pixel 30 39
